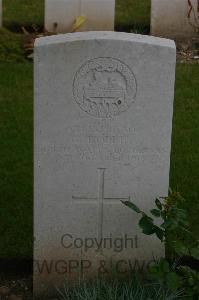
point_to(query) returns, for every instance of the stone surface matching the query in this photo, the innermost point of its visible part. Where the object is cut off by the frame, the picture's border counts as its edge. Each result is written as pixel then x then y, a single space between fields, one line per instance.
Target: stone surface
pixel 170 18
pixel 103 123
pixel 60 14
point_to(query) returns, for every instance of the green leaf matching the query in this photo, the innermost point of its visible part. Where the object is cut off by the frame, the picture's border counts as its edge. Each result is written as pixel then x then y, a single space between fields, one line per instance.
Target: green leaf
pixel 159 232
pixel 164 265
pixel 158 204
pixel 163 215
pixel 132 206
pixel 180 248
pixel 146 223
pixel 155 212
pixel 167 223
pixel 173 280
pixel 195 252
pixel 156 273
pixel 154 269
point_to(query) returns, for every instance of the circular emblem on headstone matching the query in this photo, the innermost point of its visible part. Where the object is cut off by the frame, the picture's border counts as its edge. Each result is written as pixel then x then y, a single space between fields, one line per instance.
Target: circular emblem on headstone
pixel 104 87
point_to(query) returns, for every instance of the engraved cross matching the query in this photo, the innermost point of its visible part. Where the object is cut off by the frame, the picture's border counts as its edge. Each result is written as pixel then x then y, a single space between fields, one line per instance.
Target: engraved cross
pixel 100 200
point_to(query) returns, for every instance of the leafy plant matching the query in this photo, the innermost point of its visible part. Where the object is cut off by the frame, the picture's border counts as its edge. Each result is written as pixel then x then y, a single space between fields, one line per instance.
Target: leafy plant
pixel 174 232
pixel 190 279
pixel 163 272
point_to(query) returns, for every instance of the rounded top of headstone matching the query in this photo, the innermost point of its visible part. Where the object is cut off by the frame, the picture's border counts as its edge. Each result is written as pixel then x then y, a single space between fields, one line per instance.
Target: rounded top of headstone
pixel 104 35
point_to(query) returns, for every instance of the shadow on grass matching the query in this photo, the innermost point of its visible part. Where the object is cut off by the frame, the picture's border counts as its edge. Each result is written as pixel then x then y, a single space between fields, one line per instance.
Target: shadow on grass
pixel 134 28
pixel 17 28
pixel 16 267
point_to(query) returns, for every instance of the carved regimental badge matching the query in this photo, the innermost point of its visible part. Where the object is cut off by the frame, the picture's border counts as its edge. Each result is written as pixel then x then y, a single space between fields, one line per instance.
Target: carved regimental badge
pixel 104 87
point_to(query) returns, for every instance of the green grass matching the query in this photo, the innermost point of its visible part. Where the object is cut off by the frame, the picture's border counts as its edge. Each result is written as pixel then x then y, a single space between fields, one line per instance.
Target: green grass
pixel 11 46
pixel 16 151
pixel 133 15
pixel 185 147
pixel 17 13
pixel 134 289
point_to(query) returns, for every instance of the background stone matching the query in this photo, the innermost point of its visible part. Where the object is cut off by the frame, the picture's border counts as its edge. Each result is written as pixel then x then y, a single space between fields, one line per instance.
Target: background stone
pixel 170 18
pixel 61 14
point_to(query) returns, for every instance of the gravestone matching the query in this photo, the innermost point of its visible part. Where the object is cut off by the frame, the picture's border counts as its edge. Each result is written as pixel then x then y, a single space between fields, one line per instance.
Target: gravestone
pixel 103 123
pixel 61 14
pixel 174 19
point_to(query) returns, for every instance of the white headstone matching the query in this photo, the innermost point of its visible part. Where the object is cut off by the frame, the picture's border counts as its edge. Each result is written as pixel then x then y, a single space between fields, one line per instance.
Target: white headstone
pixel 61 14
pixel 103 123
pixel 174 18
